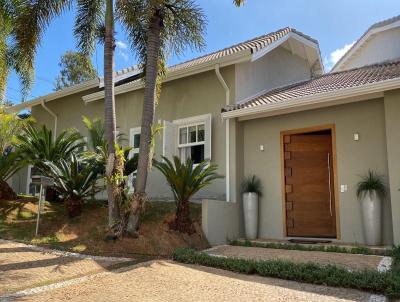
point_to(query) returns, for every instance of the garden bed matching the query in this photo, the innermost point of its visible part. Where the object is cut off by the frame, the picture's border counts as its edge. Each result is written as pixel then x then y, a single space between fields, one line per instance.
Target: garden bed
pixel 85 234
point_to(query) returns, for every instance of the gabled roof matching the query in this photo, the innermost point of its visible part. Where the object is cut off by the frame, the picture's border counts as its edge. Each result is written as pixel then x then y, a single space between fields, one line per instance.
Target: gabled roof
pixel 329 85
pixel 127 79
pixel 373 29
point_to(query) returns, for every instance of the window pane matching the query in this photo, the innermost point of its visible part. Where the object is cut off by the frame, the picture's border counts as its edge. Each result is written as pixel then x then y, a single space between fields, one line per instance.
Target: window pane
pixel 183 135
pixel 136 141
pixel 184 153
pixel 197 154
pixel 200 133
pixel 192 134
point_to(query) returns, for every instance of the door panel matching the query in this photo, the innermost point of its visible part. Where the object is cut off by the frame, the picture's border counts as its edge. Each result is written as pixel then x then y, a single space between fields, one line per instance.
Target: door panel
pixel 310 207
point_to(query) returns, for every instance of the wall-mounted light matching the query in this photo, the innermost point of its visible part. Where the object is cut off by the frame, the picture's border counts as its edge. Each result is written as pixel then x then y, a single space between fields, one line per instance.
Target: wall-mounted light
pixel 261 147
pixel 356 136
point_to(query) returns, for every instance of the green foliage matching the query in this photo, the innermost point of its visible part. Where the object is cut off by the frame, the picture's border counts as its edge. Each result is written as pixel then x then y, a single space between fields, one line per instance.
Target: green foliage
pixel 330 275
pixel 73 177
pixel 9 164
pixel 314 248
pixel 185 179
pixel 252 184
pixel 371 182
pixel 76 68
pixel 37 146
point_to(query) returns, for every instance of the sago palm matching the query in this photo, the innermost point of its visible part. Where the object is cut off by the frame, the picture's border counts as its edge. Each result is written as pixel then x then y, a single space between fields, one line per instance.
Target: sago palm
pixel 38 145
pixel 156 27
pixel 74 179
pixel 185 180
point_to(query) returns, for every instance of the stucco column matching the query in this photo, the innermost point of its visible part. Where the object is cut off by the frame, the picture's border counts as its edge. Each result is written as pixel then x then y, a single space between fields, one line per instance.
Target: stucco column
pixel 392 120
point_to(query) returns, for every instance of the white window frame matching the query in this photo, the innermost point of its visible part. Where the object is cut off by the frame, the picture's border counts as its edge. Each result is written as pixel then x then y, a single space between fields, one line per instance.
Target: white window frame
pixel 132 133
pixel 194 121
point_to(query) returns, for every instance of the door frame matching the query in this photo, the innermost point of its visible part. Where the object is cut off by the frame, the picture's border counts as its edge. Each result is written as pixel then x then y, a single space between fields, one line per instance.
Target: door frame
pixel 332 128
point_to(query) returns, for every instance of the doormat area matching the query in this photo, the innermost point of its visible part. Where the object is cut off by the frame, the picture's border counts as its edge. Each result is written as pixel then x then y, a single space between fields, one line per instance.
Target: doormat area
pixel 305 241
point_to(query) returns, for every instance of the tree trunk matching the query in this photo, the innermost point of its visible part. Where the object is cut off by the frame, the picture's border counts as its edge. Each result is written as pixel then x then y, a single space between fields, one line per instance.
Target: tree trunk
pixel 114 217
pixel 182 222
pixel 153 51
pixel 6 193
pixel 74 206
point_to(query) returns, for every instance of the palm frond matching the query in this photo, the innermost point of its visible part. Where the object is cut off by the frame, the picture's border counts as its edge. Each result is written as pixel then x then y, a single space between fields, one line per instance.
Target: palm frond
pixel 89 18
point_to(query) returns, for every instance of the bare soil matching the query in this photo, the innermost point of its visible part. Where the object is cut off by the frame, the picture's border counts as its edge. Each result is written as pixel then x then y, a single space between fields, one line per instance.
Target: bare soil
pixel 85 234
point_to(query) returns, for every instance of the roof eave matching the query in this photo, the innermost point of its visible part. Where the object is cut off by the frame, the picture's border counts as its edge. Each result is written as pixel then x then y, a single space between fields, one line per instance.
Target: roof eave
pixel 55 95
pixel 317 100
pixel 242 56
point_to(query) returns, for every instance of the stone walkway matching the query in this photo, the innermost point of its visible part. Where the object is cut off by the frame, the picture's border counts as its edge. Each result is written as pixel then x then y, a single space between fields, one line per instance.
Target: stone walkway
pixel 348 261
pixel 168 281
pixel 23 266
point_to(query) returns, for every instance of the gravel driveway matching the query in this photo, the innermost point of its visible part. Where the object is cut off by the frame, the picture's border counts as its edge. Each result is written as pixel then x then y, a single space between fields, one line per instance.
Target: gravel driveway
pixel 168 281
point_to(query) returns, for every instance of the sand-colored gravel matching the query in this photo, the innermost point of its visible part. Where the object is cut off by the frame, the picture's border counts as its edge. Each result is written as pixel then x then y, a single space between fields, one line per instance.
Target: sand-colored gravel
pixel 349 261
pixel 22 267
pixel 168 281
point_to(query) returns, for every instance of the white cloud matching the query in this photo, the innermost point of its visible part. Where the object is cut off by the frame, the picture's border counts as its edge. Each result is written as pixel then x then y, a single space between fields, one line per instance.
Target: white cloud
pixel 336 55
pixel 121 45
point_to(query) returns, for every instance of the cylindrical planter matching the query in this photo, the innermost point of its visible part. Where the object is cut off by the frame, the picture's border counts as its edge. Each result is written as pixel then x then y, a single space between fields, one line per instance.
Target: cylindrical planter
pixel 250 210
pixel 372 218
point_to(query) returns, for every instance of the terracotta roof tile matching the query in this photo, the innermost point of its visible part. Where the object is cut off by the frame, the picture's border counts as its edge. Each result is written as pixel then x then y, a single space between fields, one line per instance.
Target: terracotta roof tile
pixel 329 82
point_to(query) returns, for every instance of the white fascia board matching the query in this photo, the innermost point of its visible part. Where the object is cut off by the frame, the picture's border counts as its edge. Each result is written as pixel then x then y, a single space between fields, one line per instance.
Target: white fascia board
pixel 257 55
pixel 239 57
pixel 317 100
pixel 360 43
pixel 55 95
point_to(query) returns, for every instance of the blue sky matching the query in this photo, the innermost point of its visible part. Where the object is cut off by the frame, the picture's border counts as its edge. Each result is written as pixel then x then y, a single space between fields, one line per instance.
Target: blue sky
pixel 335 24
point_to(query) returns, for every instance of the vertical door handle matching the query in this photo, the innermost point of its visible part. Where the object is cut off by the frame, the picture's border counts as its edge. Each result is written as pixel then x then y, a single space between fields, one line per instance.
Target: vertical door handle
pixel 329 184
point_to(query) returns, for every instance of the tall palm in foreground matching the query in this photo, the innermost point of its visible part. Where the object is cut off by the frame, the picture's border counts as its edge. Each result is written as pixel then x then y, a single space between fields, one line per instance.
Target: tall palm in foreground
pixel 11 58
pixel 185 180
pixel 94 19
pixel 156 26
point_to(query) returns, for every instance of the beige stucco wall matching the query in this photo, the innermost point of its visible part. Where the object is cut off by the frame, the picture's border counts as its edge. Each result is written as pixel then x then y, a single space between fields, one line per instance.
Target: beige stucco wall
pixel 353 158
pixel 392 114
pixel 276 69
pixel 374 52
pixel 191 96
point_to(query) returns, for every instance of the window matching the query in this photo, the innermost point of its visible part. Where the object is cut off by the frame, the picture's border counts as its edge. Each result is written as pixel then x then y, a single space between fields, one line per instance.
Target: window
pixel 188 138
pixel 192 142
pixel 134 142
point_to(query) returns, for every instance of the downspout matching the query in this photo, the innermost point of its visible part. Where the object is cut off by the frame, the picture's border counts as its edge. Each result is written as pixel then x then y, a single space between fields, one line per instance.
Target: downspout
pixel 227 155
pixel 53 115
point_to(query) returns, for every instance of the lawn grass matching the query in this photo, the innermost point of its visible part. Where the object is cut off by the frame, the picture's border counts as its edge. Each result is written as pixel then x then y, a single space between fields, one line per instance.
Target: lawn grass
pixel 387 283
pixel 313 248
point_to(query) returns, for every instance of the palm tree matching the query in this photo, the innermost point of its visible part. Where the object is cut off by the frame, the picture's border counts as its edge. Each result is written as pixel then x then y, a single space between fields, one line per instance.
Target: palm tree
pixel 155 27
pixel 11 58
pixel 95 19
pixel 10 162
pixel 74 179
pixel 185 180
pixel 37 146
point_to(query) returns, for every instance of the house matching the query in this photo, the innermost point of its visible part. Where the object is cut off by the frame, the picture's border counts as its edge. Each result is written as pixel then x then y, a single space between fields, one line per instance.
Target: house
pixel 249 108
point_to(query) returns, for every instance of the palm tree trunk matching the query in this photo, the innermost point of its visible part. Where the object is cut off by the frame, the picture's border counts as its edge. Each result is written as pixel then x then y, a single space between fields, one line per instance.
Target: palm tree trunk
pixel 182 222
pixel 109 108
pixel 153 51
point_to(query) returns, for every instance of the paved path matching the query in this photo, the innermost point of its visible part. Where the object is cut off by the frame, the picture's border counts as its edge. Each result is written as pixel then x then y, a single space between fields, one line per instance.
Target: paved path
pixel 349 261
pixel 168 281
pixel 23 266
pixel 56 276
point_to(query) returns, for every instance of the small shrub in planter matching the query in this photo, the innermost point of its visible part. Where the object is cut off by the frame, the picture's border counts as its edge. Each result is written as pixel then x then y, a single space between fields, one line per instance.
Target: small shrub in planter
pixel 251 191
pixel 371 191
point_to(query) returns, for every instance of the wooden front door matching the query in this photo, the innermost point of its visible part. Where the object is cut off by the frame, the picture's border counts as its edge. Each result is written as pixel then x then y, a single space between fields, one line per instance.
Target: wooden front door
pixel 309 186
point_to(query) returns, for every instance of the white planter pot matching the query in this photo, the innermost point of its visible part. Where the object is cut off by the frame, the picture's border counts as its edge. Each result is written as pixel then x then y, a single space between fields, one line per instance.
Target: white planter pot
pixel 250 210
pixel 372 219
